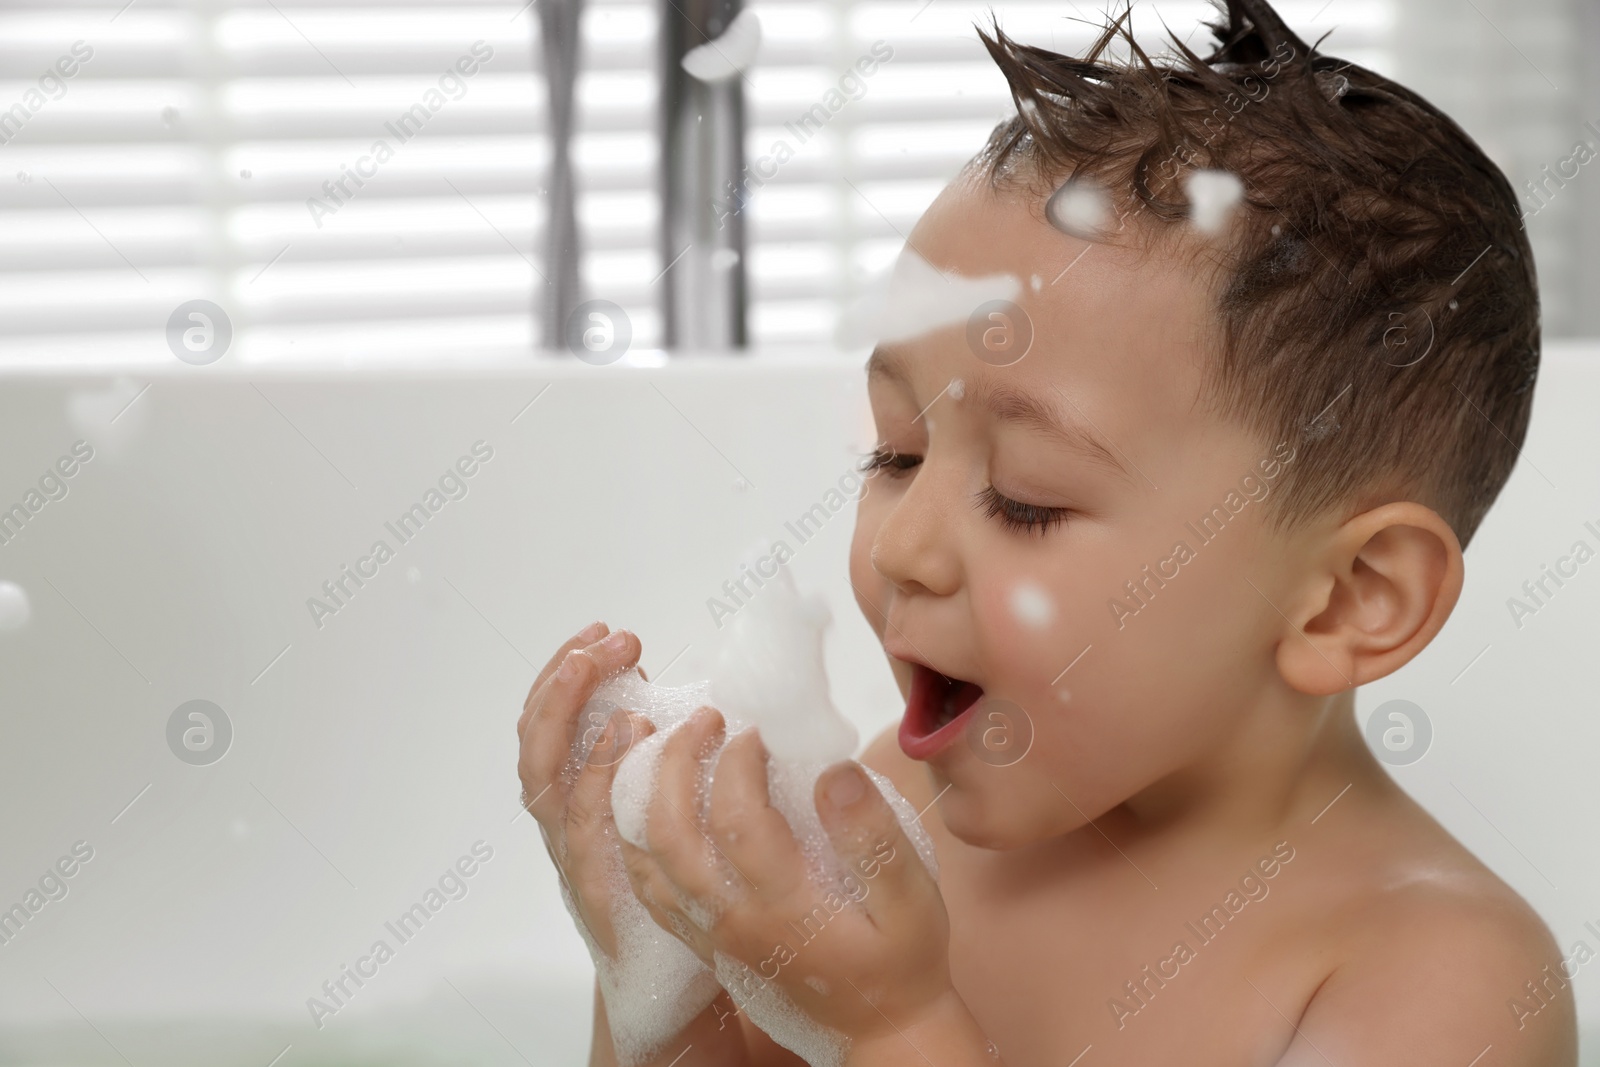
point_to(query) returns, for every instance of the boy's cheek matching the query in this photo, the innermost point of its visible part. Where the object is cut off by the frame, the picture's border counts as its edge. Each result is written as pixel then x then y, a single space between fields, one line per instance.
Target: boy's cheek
pixel 871 591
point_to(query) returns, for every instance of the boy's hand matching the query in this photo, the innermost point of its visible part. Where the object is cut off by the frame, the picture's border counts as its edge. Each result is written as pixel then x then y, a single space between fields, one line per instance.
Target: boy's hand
pixel 867 961
pixel 575 815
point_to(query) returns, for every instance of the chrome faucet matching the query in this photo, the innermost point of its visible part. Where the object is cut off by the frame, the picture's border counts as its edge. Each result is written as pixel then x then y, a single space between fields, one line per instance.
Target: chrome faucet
pixel 558 33
pixel 702 291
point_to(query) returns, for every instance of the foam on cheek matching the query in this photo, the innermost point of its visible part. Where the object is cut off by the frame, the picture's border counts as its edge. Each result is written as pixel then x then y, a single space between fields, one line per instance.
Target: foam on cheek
pixel 1032 606
pixel 768 673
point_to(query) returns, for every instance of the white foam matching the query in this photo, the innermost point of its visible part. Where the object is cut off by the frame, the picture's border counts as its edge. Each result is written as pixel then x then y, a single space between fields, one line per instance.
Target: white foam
pixel 728 55
pixel 653 987
pixel 630 789
pixel 915 298
pixel 779 1017
pixel 1080 208
pixel 1213 194
pixel 767 672
pixel 15 611
pixel 1032 606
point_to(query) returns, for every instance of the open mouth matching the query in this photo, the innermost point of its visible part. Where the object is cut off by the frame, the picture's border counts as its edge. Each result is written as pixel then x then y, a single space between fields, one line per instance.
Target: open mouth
pixel 936 711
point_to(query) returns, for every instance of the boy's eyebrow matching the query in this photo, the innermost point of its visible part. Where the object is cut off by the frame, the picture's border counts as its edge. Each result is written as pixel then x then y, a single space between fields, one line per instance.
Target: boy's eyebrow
pixel 1011 405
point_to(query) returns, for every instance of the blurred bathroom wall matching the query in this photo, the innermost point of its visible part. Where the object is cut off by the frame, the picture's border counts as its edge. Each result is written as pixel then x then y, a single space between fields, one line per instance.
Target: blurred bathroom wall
pixel 1523 78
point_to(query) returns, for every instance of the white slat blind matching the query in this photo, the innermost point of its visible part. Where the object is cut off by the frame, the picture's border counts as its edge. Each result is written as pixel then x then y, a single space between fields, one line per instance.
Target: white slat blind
pixel 177 160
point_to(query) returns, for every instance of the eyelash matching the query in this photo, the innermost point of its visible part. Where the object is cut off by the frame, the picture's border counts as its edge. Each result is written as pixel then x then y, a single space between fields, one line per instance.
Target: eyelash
pixel 1012 514
pixel 1015 515
pixel 884 458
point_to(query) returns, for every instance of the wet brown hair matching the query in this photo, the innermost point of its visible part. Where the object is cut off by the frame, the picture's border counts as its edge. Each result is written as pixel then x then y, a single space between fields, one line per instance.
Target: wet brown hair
pixel 1375 289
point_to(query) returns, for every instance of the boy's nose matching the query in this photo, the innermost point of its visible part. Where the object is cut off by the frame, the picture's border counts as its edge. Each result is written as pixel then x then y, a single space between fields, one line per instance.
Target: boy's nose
pixel 915 546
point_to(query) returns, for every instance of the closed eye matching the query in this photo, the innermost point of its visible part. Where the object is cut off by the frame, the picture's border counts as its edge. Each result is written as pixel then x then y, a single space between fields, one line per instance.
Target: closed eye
pixel 884 458
pixel 1015 515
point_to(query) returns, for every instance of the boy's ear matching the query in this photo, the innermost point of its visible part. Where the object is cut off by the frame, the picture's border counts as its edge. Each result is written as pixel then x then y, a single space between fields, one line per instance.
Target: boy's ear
pixel 1381 587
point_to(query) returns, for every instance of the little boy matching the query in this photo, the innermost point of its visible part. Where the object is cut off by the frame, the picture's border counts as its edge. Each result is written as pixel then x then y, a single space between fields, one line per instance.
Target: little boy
pixel 1269 363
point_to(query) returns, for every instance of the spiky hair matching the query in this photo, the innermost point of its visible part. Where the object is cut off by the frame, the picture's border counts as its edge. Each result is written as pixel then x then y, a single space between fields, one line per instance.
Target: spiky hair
pixel 1375 288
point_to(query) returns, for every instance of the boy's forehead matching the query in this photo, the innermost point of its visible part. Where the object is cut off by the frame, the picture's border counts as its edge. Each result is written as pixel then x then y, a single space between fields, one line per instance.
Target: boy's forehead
pixel 1110 313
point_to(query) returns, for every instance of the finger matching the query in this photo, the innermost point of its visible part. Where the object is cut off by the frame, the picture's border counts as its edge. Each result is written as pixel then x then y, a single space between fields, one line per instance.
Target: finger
pixel 870 842
pixel 583 848
pixel 582 639
pixel 747 829
pixel 672 828
pixel 547 741
pixel 665 904
pixel 587 816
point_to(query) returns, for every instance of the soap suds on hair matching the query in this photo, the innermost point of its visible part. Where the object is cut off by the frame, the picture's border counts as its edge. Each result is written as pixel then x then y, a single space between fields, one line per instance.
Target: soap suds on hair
pixel 1213 194
pixel 1079 208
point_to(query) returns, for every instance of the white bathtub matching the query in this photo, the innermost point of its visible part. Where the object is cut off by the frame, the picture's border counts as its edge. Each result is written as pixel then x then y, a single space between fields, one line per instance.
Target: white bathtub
pixel 373 745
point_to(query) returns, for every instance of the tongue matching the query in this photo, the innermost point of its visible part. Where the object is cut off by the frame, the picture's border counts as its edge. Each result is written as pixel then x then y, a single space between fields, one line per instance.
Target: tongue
pixel 957 697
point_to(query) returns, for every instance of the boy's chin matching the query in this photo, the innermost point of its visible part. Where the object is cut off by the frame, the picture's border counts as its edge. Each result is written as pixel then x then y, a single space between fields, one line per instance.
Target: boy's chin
pixel 985 813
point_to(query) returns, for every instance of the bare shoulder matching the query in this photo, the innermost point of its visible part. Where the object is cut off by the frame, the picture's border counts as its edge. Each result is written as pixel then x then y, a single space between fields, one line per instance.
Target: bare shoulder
pixel 1437 961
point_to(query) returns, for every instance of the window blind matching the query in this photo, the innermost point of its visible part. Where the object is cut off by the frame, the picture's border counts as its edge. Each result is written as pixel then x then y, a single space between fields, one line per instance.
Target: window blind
pixel 334 178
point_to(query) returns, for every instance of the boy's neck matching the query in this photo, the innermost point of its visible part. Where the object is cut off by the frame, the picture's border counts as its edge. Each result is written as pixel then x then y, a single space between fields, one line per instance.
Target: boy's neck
pixel 1285 759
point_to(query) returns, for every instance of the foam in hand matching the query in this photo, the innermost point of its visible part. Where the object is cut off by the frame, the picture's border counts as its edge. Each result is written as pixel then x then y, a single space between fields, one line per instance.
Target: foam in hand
pixel 767 672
